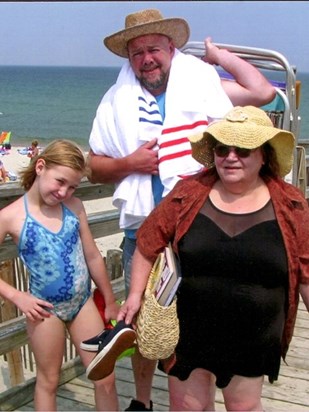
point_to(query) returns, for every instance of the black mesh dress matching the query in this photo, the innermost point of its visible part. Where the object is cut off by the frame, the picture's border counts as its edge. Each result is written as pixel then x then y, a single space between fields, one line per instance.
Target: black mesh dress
pixel 232 300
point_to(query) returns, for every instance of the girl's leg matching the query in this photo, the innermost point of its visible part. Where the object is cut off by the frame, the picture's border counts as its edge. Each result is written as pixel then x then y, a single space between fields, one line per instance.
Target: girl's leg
pixel 197 393
pixel 243 394
pixel 47 342
pixel 89 323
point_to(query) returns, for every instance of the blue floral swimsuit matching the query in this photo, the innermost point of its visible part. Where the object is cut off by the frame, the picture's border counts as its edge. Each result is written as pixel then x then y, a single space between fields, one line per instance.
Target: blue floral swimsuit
pixel 56 263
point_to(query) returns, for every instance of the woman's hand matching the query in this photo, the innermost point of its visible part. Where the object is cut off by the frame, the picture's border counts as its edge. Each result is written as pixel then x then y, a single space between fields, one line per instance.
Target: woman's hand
pixel 130 308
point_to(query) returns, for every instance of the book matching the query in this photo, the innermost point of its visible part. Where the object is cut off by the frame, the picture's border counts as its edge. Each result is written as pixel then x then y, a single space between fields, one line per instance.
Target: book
pixel 163 281
pixel 170 277
pixel 156 270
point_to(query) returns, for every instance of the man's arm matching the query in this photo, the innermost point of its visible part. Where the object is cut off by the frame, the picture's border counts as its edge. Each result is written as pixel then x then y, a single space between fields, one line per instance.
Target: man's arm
pixel 250 87
pixel 104 169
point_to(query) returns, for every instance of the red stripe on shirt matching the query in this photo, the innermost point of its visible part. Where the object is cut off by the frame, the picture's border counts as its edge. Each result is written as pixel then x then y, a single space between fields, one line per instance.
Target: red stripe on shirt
pixel 173 142
pixel 185 127
pixel 175 155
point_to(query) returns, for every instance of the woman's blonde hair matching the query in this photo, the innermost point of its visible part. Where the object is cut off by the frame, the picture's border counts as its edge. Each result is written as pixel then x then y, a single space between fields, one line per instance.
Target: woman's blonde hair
pixel 58 152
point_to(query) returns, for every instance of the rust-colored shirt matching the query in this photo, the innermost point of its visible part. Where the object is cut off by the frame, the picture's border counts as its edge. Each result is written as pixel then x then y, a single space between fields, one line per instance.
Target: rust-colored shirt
pixel 170 220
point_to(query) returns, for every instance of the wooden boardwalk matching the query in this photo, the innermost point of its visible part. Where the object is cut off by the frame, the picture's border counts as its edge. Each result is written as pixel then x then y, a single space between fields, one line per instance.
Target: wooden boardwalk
pixel 289 393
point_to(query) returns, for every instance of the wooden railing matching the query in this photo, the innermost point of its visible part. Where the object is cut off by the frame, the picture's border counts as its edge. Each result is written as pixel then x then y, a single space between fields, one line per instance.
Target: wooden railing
pixel 13 336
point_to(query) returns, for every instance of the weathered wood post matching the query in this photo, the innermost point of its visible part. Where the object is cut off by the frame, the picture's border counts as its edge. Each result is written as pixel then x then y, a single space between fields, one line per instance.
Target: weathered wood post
pixel 8 311
pixel 114 263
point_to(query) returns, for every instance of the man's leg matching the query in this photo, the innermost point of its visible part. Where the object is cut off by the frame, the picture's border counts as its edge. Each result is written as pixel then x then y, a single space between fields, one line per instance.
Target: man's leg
pixel 143 369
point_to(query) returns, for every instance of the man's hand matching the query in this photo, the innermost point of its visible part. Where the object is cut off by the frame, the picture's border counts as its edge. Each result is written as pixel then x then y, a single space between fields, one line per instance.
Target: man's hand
pixel 145 159
pixel 211 55
pixel 105 169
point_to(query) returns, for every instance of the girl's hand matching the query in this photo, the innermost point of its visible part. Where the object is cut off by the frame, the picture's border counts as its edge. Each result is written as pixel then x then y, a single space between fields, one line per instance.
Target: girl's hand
pixel 111 311
pixel 34 308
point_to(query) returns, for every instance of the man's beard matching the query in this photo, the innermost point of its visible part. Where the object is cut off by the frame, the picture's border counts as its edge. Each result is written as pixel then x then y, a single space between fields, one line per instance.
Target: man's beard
pixel 157 84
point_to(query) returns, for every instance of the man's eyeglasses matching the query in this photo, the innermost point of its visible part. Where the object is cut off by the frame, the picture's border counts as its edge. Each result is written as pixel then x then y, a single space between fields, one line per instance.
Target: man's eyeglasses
pixel 222 150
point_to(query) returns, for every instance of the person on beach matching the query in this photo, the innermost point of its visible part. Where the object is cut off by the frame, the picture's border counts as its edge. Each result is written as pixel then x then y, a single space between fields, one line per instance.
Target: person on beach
pixel 49 226
pixel 3 173
pixel 242 237
pixel 139 135
pixel 34 149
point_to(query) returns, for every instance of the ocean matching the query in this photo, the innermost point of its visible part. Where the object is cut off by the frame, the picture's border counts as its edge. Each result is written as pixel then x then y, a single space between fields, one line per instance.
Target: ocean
pixel 47 103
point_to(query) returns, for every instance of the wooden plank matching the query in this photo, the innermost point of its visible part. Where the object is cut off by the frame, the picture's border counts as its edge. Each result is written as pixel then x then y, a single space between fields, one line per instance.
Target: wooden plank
pixel 285 395
pixel 13 334
pixel 104 223
pixel 8 312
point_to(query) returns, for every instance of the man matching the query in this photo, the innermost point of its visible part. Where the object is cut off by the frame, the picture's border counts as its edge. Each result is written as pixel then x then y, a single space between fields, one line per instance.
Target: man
pixel 139 136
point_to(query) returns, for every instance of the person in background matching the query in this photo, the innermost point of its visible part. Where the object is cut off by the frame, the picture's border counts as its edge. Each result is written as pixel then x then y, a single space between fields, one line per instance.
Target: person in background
pixel 3 172
pixel 50 227
pixel 139 138
pixel 34 149
pixel 242 236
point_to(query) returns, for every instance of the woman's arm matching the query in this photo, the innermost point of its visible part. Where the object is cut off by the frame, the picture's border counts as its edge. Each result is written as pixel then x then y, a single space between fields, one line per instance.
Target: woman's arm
pixel 141 268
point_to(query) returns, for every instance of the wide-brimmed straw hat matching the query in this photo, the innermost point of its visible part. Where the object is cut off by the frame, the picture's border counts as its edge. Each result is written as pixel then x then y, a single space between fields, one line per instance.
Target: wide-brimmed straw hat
pixel 144 22
pixel 247 127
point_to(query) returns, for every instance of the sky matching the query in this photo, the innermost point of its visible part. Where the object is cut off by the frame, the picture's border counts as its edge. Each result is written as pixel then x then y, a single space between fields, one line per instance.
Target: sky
pixel 71 33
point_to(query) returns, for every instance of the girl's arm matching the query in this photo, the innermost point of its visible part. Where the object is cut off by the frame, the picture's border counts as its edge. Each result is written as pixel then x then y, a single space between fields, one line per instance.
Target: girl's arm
pixel 95 263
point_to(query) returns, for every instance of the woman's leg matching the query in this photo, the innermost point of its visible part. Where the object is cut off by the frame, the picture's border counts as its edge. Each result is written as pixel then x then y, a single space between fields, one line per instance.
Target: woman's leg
pixel 47 342
pixel 243 394
pixel 197 393
pixel 89 323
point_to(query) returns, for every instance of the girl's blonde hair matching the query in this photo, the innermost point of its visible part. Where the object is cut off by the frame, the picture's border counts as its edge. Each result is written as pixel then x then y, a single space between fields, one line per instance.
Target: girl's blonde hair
pixel 58 152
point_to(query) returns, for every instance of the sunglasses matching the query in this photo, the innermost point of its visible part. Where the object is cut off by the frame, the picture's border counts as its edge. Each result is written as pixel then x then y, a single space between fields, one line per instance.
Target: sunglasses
pixel 221 150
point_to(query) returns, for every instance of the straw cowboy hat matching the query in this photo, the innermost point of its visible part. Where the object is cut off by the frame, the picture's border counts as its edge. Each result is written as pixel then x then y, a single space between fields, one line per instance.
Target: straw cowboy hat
pixel 144 22
pixel 246 127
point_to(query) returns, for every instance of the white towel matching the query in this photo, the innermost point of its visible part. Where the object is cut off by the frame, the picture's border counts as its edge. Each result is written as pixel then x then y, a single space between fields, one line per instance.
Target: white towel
pixel 194 97
pixel 128 116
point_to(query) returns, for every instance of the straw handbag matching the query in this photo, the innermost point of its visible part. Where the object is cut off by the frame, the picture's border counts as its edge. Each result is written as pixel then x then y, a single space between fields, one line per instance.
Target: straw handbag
pixel 157 330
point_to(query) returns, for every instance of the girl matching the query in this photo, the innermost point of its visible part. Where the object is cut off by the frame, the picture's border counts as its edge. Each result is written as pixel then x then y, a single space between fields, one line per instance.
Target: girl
pixel 50 228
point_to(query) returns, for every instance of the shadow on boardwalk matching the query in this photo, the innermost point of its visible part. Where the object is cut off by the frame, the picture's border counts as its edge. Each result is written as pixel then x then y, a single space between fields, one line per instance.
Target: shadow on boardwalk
pixel 289 393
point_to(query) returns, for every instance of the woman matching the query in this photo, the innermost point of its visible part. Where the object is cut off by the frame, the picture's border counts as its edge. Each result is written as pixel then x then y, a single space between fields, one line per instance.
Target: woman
pixel 242 236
